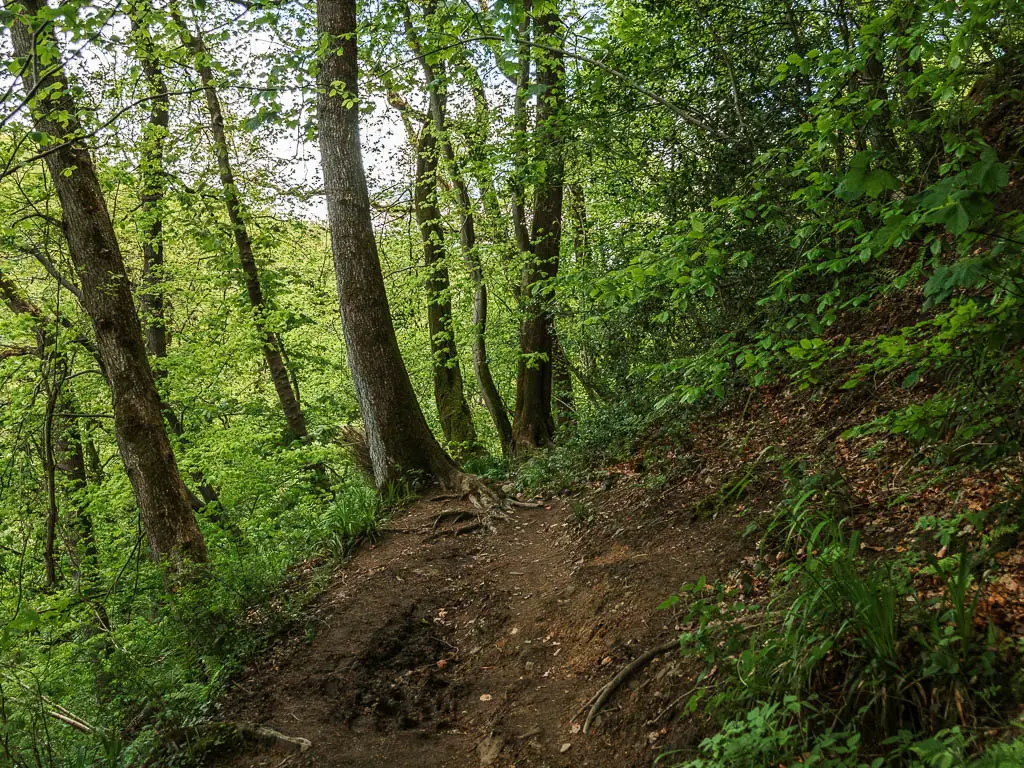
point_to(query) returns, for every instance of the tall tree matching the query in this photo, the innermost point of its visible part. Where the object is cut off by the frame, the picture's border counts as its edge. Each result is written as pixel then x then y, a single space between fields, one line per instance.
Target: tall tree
pixel 436 77
pixel 154 186
pixel 534 425
pixel 449 394
pixel 154 181
pixel 399 439
pixel 273 345
pixel 164 503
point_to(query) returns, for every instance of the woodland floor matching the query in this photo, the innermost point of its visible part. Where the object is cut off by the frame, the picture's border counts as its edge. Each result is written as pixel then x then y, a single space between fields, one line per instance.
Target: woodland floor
pixel 445 644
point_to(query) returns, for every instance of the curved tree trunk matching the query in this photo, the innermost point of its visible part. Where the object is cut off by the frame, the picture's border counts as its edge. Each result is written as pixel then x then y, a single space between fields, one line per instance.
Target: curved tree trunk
pixel 467 238
pixel 273 347
pixel 452 408
pixel 163 501
pixel 534 424
pixel 400 441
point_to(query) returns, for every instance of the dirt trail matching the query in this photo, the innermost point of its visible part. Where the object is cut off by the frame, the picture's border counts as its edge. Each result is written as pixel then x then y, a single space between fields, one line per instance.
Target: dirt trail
pixel 449 645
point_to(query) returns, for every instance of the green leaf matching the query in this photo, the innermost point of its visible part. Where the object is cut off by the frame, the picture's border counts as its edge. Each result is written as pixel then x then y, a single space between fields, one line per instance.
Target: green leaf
pixel 955 219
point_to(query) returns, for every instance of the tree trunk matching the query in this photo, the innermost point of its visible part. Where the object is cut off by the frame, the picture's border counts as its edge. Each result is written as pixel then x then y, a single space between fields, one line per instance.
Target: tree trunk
pixel 520 125
pixel 561 376
pixel 452 408
pixel 151 164
pixel 50 471
pixel 154 184
pixel 467 237
pixel 70 462
pixel 62 444
pixel 534 425
pixel 400 441
pixel 273 347
pixel 163 501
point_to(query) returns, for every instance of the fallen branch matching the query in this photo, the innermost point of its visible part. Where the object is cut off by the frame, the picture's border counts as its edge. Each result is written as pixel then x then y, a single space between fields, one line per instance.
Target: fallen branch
pixel 624 674
pixel 78 725
pixel 270 736
pixel 525 504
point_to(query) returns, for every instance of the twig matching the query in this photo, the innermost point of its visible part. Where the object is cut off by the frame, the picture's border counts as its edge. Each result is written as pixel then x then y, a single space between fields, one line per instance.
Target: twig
pixel 624 674
pixel 672 705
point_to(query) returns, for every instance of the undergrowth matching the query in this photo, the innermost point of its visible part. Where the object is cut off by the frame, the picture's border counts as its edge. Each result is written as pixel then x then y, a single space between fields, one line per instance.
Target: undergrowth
pixel 151 659
pixel 848 658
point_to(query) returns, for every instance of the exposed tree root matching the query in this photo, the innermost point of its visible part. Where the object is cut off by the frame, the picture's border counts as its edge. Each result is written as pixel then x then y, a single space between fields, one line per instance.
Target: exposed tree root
pixel 476 490
pixel 624 674
pixel 461 531
pixel 444 497
pixel 455 515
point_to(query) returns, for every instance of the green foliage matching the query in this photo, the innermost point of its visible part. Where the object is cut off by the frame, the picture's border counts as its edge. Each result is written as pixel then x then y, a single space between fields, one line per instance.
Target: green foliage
pixel 848 639
pixel 605 437
pixel 158 661
pixel 774 192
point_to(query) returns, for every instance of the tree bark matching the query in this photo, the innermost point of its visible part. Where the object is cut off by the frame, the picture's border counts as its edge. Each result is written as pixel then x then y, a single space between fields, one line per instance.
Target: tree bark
pixel 400 441
pixel 435 75
pixel 163 501
pixel 534 425
pixel 273 346
pixel 449 395
pixel 154 185
pixel 520 126
pixel 151 163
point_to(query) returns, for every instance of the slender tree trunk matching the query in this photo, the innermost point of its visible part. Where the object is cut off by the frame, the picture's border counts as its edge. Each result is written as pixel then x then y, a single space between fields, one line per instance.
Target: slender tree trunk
pixel 151 163
pixel 400 441
pixel 106 295
pixel 70 463
pixel 520 126
pixel 879 131
pixel 273 347
pixel 50 471
pixel 62 445
pixel 564 399
pixel 452 408
pixel 534 425
pixel 154 185
pixel 467 237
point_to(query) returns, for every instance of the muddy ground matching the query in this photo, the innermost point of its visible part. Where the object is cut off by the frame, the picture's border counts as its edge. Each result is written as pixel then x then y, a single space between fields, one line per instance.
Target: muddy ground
pixel 450 644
